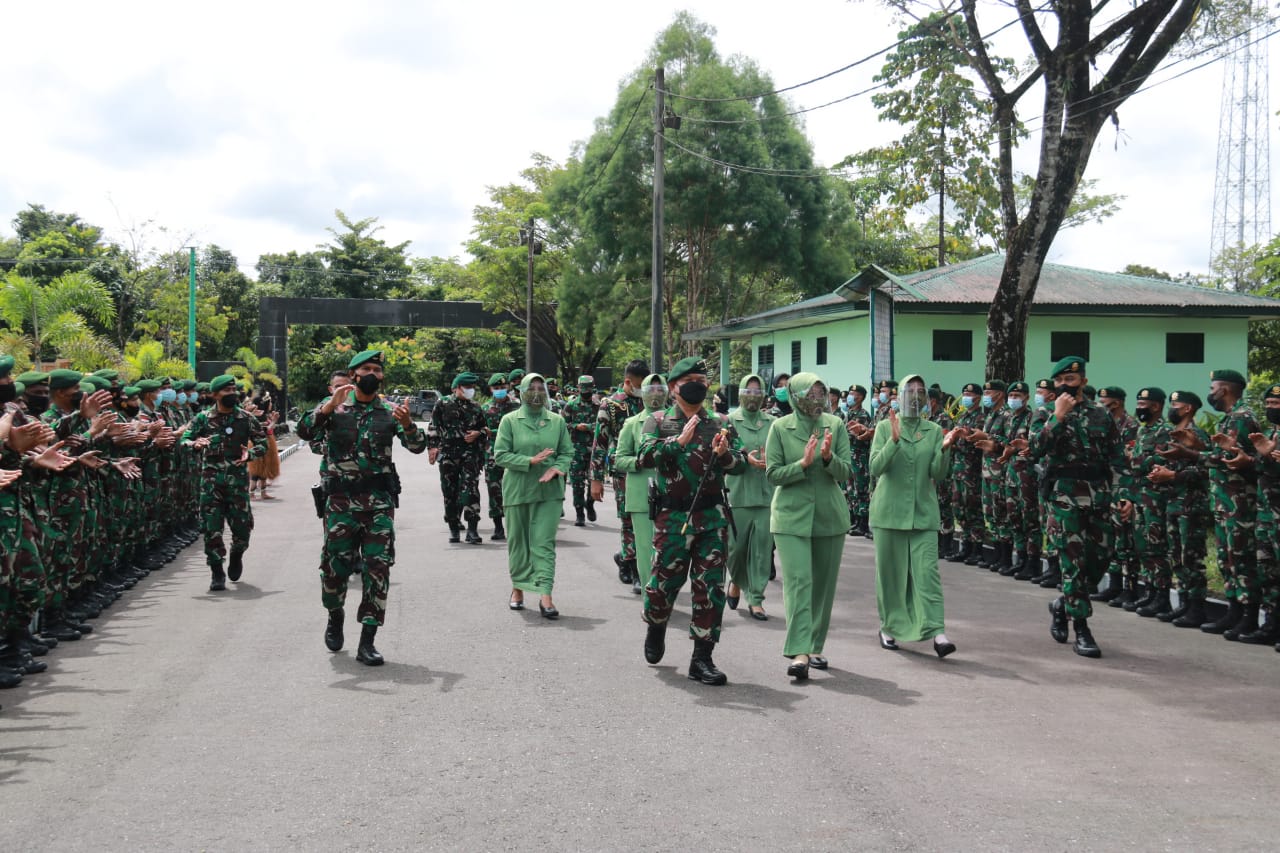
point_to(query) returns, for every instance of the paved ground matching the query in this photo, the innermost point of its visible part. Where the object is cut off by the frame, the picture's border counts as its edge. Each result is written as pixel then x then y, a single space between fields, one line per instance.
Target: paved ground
pixel 197 721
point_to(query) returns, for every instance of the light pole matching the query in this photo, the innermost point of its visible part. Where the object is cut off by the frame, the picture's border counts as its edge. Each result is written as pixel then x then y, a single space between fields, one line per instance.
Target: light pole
pixel 528 238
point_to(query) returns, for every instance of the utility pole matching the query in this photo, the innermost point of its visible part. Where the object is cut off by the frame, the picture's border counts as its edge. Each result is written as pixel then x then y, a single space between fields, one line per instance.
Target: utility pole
pixel 655 340
pixel 942 188
pixel 527 238
pixel 191 310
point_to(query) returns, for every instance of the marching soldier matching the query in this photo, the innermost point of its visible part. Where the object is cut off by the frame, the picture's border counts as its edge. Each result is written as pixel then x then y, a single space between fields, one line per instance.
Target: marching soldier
pixel 614 412
pixel 458 444
pixel 580 418
pixel 1265 443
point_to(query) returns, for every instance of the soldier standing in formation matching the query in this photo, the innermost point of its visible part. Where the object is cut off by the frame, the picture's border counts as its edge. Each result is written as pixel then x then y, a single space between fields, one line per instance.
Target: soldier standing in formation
pixel 860 427
pixel 966 478
pixel 457 442
pixel 502 402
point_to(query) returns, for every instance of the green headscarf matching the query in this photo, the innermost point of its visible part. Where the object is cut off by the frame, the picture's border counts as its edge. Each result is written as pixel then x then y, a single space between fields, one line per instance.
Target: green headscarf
pixel 650 380
pixel 752 417
pixel 528 379
pixel 800 386
pixel 903 398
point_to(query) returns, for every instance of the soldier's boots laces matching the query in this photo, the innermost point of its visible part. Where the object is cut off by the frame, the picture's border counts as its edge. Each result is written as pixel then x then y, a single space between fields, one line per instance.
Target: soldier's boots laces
pixel 1248 622
pixel 473 535
pixel 591 510
pixel 366 653
pixel 655 643
pixel 1234 612
pixel 1085 645
pixel 702 668
pixel 1266 634
pixel 217 580
pixel 455 533
pixel 1158 605
pixel 581 520
pixel 1114 581
pixel 1193 618
pixel 333 631
pixel 1058 619
pixel 235 567
pixel 499 532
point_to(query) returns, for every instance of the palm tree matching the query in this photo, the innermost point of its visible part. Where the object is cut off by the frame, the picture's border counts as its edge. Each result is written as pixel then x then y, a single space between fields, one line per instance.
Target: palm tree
pixel 146 359
pixel 256 370
pixel 57 314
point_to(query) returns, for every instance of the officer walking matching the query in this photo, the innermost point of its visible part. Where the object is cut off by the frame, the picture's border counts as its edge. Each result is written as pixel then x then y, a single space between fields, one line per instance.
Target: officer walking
pixel 580 417
pixel 458 444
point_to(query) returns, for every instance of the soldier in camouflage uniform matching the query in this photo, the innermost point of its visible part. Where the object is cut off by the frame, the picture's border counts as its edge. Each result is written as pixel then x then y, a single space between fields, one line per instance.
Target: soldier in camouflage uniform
pixel 966 479
pixel 1084 460
pixel 946 507
pixel 1124 551
pixel 690 450
pixel 858 422
pixel 229 437
pixel 361 495
pixel 502 402
pixel 1265 443
pixel 306 427
pixel 1147 502
pixel 458 443
pixel 1021 487
pixel 580 418
pixel 990 439
pixel 614 412
pixel 1043 572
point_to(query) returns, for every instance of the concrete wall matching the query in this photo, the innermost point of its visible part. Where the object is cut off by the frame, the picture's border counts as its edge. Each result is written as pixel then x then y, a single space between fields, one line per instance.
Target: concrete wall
pixel 848 351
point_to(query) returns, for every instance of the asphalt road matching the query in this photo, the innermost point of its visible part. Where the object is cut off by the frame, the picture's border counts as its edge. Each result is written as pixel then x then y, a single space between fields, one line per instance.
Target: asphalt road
pixel 198 721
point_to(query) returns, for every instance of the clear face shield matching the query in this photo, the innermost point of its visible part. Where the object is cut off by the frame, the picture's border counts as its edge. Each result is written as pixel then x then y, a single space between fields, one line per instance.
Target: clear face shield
pixel 814 402
pixel 914 402
pixel 752 399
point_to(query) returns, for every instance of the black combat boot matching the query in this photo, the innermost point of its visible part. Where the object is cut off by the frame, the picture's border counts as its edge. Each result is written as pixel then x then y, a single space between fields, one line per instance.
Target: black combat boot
pixel 1193 618
pixel 655 643
pixel 1114 580
pixel 1058 619
pixel 626 568
pixel 1177 612
pixel 581 520
pixel 636 588
pixel 702 668
pixel 591 510
pixel 366 653
pixel 1148 595
pixel 1085 645
pixel 217 580
pixel 1235 611
pixel 235 567
pixel 473 534
pixel 455 533
pixel 944 545
pixel 960 553
pixel 499 532
pixel 1248 623
pixel 1032 566
pixel 333 631
pixel 1128 592
pixel 1265 634
pixel 974 557
pixel 9 676
pixel 1016 561
pixel 52 625
pixel 1158 604
pixel 1053 577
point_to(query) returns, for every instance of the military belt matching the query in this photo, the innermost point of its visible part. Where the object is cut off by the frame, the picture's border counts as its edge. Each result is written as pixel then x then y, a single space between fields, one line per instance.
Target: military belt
pixel 699 503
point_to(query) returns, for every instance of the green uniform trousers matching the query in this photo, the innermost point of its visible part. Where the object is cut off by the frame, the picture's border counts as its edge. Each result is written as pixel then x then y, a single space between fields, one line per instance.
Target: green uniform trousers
pixel 643 527
pixel 531 545
pixel 810 566
pixel 750 550
pixel 908 588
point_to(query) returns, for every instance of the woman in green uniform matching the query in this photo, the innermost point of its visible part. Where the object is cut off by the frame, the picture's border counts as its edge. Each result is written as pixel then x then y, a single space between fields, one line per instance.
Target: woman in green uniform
pixel 807 457
pixel 533 447
pixel 636 499
pixel 910 455
pixel 750 494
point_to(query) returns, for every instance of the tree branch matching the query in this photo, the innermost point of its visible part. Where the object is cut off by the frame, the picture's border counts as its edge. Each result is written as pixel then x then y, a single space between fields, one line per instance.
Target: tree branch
pixel 1039 47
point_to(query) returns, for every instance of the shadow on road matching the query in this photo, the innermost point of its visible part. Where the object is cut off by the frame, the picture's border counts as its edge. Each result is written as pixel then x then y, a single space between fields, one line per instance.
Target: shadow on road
pixel 853 684
pixel 734 696
pixel 567 622
pixel 241 590
pixel 361 678
pixel 961 666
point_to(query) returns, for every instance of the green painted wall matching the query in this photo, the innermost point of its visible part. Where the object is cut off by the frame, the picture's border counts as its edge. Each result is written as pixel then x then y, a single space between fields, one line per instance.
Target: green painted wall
pixel 1124 351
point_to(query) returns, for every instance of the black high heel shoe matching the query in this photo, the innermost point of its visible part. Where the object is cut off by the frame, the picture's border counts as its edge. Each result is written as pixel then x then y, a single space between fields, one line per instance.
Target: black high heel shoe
pixel 943 649
pixel 548 612
pixel 818 662
pixel 799 671
pixel 887 643
pixel 515 605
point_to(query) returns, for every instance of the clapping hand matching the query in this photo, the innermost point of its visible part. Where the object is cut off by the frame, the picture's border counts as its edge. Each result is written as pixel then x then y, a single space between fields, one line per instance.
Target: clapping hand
pixel 9 477
pixel 33 433
pixel 102 423
pixel 51 458
pixel 810 448
pixel 825 450
pixel 91 404
pixel 1225 440
pixel 551 474
pixel 200 443
pixel 91 459
pixel 541 456
pixel 690 429
pixel 471 435
pixel 756 458
pixel 339 397
pixel 1262 444
pixel 1161 474
pixel 1241 461
pixel 128 468
pixel 949 438
pixel 895 424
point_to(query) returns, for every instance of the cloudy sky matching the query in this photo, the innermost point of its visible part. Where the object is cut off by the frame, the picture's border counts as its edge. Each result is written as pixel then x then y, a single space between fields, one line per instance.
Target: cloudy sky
pixel 247 124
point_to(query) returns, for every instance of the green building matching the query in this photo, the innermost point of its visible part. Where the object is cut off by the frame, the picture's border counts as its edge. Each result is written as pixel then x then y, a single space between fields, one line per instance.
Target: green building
pixel 1133 331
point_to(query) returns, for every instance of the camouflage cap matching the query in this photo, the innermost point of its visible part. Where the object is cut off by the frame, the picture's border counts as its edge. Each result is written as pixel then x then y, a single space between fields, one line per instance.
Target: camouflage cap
pixel 1112 392
pixel 1191 398
pixel 369 356
pixel 1227 376
pixel 62 378
pixel 218 382
pixel 1152 394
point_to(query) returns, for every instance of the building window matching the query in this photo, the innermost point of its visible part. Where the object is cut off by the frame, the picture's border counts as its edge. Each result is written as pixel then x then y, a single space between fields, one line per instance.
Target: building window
pixel 822 351
pixel 795 356
pixel 764 359
pixel 1068 344
pixel 1184 348
pixel 952 345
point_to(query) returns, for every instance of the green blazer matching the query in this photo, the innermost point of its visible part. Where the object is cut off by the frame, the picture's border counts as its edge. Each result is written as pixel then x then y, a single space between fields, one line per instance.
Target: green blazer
pixel 906 495
pixel 807 502
pixel 751 488
pixel 521 436
pixel 627 461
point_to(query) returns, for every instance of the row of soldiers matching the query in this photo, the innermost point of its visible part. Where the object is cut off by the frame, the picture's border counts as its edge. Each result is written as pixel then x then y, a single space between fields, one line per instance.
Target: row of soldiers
pixel 96 491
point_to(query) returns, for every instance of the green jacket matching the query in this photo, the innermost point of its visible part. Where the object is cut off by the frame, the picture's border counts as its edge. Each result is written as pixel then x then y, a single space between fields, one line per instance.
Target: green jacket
pixel 906 497
pixel 807 501
pixel 752 487
pixel 627 461
pixel 523 434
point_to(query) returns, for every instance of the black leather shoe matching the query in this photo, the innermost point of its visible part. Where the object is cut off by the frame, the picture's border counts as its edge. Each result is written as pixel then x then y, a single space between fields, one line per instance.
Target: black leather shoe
pixel 1158 605
pixel 333 631
pixel 798 671
pixel 515 605
pixel 624 573
pixel 818 662
pixel 9 678
pixel 366 653
pixel 635 585
pixel 1193 618
pixel 473 536
pixel 580 520
pixel 732 601
pixel 702 668
pixel 759 615
pixel 218 581
pixel 1147 595
pixel 888 643
pixel 1114 579
pixel 548 612
pixel 1267 634
pixel 1085 645
pixel 499 532
pixel 1058 619
pixel 943 649
pixel 1170 615
pixel 655 643
pixel 1248 622
pixel 591 510
pixel 235 566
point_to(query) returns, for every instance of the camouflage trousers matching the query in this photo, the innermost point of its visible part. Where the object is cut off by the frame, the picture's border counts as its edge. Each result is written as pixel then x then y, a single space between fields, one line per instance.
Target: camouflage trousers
pixel 1022 509
pixel 1124 552
pixel 858 490
pixel 1186 532
pixel 995 519
pixel 1234 524
pixel 26 581
pixel 1083 540
pixel 578 470
pixel 357 542
pixel 697 556
pixel 628 550
pixel 1151 527
pixel 225 502
pixel 967 504
pixel 946 508
pixel 460 485
pixel 1268 561
pixel 493 484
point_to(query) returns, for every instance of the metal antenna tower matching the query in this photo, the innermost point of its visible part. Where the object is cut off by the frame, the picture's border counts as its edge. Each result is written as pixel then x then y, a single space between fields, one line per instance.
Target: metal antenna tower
pixel 1242 184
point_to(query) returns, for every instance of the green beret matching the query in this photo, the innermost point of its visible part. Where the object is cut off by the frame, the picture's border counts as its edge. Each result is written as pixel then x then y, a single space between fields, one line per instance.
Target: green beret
pixel 994 385
pixel 1070 364
pixel 6 365
pixel 1113 392
pixel 1019 387
pixel 1154 394
pixel 164 380
pixel 87 387
pixel 146 386
pixel 1090 391
pixel 888 384
pixel 1272 393
pixel 466 377
pixel 188 385
pixel 686 366
pixel 32 377
pixel 61 378
pixel 971 388
pixel 369 356
pixel 497 379
pixel 108 374
pixel 98 383
pixel 219 382
pixel 1191 398
pixel 1227 376
pixel 860 390
pixel 553 381
pixel 587 380
pixel 131 391
pixel 515 375
pixel 202 386
pixel 19 388
pixel 1044 385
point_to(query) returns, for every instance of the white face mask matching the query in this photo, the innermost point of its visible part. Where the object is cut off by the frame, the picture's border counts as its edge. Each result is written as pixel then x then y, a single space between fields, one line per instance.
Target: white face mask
pixel 468 393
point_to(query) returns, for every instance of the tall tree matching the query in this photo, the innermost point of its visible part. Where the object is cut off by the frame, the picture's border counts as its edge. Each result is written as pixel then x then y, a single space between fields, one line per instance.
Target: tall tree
pixel 362 265
pixel 58 313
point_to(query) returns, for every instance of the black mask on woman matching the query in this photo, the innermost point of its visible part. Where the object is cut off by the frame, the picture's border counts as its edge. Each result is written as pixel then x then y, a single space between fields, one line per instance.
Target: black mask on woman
pixel 1273 415
pixel 8 392
pixel 37 405
pixel 692 393
pixel 368 383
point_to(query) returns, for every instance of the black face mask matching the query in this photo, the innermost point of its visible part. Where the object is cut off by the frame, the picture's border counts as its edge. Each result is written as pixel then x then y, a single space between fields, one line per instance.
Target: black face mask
pixel 692 393
pixel 1145 415
pixel 1175 417
pixel 37 405
pixel 1217 402
pixel 131 411
pixel 1064 390
pixel 1273 415
pixel 230 401
pixel 8 393
pixel 76 399
pixel 368 383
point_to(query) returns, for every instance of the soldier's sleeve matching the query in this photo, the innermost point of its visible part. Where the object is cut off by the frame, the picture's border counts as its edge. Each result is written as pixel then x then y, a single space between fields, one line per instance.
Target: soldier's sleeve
pixel 652 446
pixel 435 436
pixel 196 428
pixel 562 459
pixel 1115 458
pixel 307 429
pixel 1043 440
pixel 603 441
pixel 414 442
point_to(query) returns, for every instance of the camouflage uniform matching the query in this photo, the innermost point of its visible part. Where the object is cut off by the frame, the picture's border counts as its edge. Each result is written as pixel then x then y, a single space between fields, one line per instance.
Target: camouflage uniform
pixel 1048 536
pixel 946 505
pixel 994 515
pixel 859 488
pixel 224 494
pixel 1124 554
pixel 359 518
pixel 1235 505
pixel 1021 492
pixel 581 411
pixel 1268 537
pixel 966 479
pixel 614 412
pixel 493 473
pixel 1151 503
pixel 691 529
pixel 460 463
pixel 1188 521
